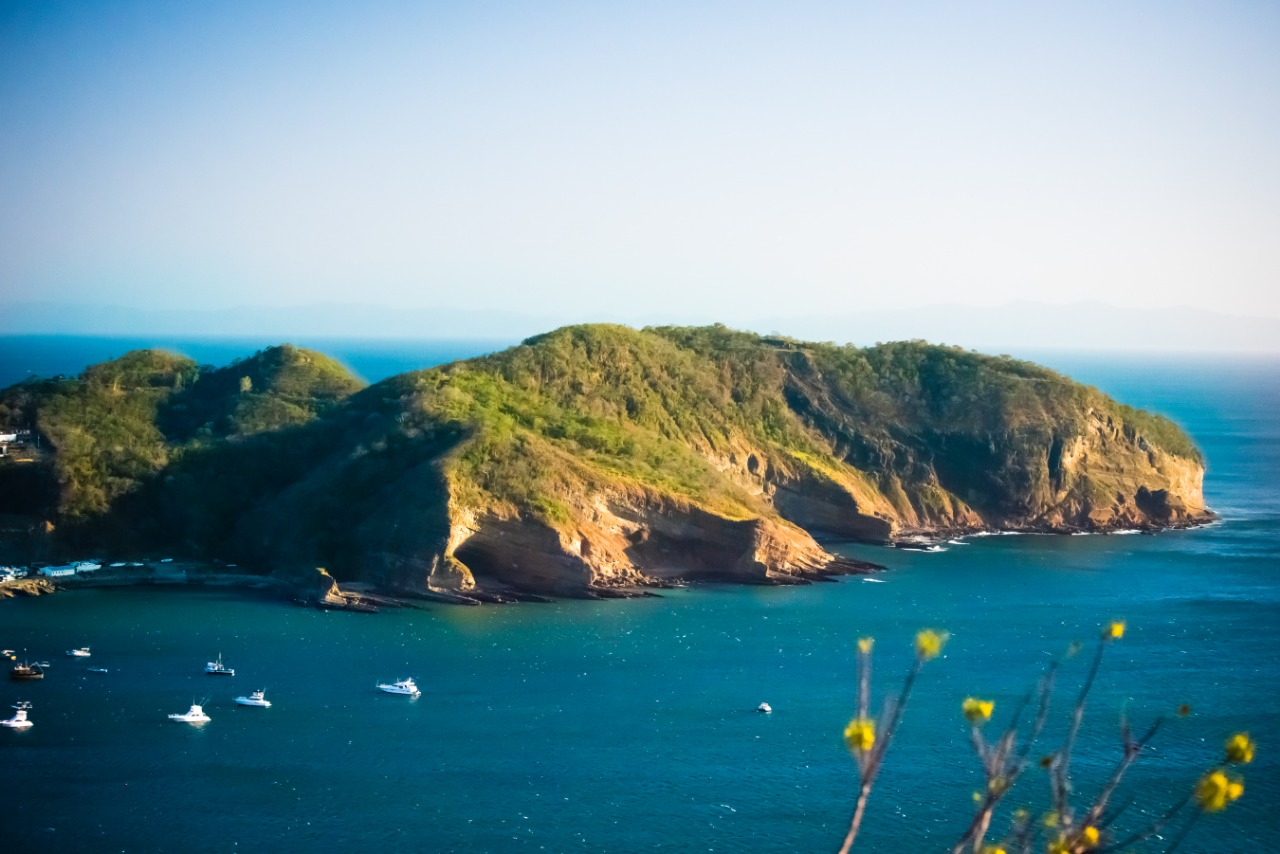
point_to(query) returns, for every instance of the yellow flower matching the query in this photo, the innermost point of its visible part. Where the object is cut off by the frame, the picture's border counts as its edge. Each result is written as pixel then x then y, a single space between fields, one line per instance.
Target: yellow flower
pixel 929 643
pixel 1089 836
pixel 1059 845
pixel 1051 819
pixel 1240 749
pixel 865 644
pixel 977 711
pixel 860 734
pixel 1115 631
pixel 1215 790
pixel 992 849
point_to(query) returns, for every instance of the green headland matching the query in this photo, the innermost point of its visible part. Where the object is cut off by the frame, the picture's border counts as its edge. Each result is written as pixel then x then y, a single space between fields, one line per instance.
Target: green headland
pixel 584 461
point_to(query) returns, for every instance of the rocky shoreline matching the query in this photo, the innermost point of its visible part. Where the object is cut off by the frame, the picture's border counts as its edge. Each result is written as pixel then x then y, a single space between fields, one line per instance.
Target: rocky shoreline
pixel 325 592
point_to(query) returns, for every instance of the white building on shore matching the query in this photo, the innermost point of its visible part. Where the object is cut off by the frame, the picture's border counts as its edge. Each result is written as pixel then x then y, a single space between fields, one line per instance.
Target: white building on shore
pixel 57 571
pixel 78 568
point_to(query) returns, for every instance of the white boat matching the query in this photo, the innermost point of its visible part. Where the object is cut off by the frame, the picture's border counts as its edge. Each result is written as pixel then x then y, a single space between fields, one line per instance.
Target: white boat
pixel 404 686
pixel 82 652
pixel 255 698
pixel 217 668
pixel 194 715
pixel 99 670
pixel 19 719
pixel 765 708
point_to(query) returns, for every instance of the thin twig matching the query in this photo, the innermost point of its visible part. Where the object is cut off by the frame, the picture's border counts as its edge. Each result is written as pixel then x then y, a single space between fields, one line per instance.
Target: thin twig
pixel 1062 770
pixel 893 712
pixel 856 823
pixel 1155 827
pixel 1131 751
pixel 1186 828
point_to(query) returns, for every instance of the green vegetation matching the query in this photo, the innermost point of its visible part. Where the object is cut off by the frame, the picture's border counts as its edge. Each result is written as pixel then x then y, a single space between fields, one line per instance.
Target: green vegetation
pixel 283 451
pixel 122 422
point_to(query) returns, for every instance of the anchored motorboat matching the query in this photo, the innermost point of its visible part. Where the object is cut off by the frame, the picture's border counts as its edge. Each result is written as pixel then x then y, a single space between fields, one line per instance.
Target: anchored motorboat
pixel 194 715
pixel 255 698
pixel 19 719
pixel 404 686
pixel 217 668
pixel 25 671
pixel 82 652
pixel 765 708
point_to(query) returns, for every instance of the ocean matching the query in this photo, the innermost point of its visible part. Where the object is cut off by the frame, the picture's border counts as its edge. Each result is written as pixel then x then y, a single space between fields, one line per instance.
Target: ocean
pixel 631 725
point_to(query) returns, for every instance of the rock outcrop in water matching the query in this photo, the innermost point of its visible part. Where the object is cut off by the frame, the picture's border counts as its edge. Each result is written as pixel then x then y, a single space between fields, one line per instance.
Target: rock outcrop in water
pixel 599 458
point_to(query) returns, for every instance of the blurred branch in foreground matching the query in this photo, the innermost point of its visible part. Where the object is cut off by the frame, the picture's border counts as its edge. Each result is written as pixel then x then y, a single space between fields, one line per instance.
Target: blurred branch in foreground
pixel 1068 827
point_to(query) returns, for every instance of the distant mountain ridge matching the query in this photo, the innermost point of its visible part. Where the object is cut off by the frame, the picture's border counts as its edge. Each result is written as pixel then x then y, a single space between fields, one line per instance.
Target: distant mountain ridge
pixel 592 459
pixel 1014 326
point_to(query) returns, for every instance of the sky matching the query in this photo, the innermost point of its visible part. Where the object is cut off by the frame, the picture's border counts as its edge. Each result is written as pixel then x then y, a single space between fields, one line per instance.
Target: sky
pixel 691 160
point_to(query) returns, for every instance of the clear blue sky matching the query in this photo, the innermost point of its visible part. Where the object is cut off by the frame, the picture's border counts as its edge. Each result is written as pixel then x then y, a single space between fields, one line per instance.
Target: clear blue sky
pixel 730 160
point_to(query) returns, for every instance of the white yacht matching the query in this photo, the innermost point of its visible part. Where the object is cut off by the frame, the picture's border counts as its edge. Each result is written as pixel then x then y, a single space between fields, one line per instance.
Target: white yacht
pixel 255 698
pixel 404 686
pixel 765 708
pixel 19 719
pixel 194 715
pixel 217 668
pixel 82 652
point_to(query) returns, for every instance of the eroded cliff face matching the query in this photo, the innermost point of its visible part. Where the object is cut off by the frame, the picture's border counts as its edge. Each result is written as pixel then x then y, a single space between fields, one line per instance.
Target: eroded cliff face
pixel 1109 476
pixel 622 539
pixel 1103 478
pixel 445 533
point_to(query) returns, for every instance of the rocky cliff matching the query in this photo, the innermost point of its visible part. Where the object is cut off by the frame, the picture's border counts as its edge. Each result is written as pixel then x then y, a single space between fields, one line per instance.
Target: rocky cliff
pixel 595 459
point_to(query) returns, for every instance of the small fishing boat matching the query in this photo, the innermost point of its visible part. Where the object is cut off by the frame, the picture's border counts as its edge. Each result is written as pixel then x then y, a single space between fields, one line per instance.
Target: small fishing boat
pixel 19 719
pixel 255 698
pixel 82 652
pixel 404 686
pixel 194 715
pixel 26 671
pixel 217 668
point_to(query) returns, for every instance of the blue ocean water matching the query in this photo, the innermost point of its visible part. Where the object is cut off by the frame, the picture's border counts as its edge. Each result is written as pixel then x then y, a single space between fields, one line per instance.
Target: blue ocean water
pixel 629 725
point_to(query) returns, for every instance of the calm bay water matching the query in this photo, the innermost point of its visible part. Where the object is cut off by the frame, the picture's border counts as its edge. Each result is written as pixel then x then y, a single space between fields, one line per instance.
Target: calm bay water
pixel 629 726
